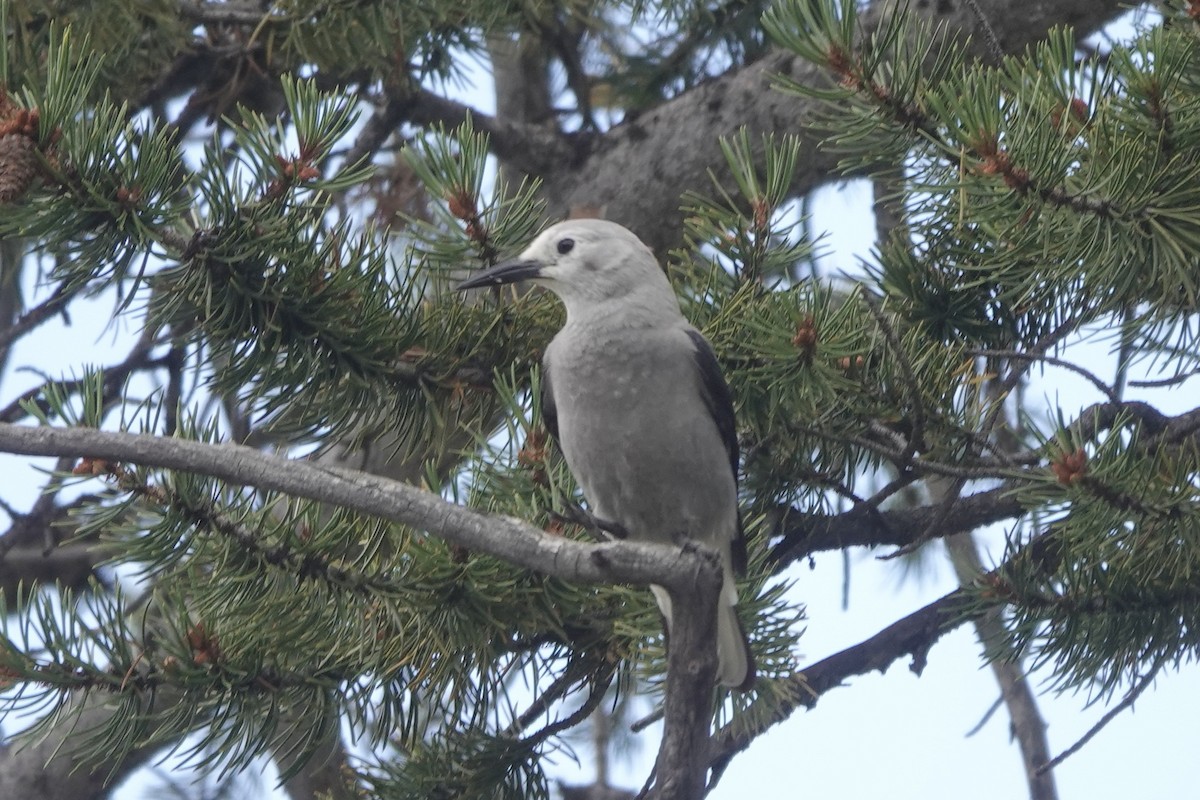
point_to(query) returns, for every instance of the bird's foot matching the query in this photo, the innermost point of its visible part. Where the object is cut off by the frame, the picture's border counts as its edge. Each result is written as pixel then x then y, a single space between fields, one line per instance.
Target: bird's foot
pixel 602 529
pixel 613 529
pixel 687 543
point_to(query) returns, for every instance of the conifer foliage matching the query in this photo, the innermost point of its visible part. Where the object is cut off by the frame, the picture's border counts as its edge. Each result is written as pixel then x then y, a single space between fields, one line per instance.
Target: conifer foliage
pixel 254 541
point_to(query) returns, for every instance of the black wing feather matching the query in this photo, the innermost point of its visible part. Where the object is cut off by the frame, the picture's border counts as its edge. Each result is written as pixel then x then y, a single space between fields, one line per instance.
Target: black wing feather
pixel 720 405
pixel 549 409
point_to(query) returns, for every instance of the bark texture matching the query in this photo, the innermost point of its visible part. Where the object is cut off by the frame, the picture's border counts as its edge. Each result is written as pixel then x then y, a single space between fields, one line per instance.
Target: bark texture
pixel 639 170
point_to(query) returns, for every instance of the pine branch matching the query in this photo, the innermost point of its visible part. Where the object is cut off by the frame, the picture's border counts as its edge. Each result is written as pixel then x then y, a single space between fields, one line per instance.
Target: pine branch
pixel 691 575
pixel 862 526
pixel 913 636
pixel 805 533
pixel 639 169
pixel 529 148
pixel 505 538
pixel 304 566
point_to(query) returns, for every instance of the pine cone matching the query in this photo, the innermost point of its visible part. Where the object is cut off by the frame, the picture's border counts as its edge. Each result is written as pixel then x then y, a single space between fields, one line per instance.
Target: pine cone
pixel 18 165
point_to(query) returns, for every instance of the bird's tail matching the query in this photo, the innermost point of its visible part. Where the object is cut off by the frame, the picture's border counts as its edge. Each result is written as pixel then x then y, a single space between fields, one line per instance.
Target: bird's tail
pixel 735 662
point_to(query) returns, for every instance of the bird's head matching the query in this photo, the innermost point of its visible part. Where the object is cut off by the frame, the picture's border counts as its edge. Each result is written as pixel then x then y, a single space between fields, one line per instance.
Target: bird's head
pixel 587 263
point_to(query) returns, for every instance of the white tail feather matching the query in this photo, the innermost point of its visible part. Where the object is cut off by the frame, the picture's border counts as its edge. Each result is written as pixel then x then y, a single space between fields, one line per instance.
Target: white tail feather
pixel 733 660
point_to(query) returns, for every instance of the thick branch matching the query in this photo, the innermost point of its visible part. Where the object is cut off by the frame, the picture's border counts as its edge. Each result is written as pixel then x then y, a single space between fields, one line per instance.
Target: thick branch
pixel 528 148
pixel 24 772
pixel 681 768
pixel 639 170
pixel 503 537
pixel 807 533
pixel 223 13
pixel 325 775
pixel 71 565
pixel 913 635
pixel 691 575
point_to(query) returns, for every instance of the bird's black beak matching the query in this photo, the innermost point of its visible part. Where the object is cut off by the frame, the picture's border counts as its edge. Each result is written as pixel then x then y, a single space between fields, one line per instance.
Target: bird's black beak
pixel 506 272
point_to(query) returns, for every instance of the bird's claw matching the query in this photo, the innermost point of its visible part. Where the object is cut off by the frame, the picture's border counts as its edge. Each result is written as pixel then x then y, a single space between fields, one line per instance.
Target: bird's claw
pixel 600 528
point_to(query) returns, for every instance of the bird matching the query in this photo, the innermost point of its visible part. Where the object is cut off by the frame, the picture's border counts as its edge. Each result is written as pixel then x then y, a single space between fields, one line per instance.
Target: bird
pixel 637 402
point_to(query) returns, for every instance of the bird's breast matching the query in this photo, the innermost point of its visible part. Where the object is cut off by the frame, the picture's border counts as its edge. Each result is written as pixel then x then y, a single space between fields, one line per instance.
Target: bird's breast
pixel 638 436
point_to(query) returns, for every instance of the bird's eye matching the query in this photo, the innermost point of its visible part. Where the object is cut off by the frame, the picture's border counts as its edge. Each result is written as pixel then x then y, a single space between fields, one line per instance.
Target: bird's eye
pixel 565 246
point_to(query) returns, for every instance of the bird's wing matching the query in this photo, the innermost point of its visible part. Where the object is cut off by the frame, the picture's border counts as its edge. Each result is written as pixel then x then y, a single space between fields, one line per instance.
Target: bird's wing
pixel 720 406
pixel 549 409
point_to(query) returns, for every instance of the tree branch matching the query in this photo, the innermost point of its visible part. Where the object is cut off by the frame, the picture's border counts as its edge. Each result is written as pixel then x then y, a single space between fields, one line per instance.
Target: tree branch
pixel 681 768
pixel 71 565
pixel 639 169
pixel 224 13
pixel 35 316
pixel 913 635
pixel 24 772
pixel 502 537
pixel 528 148
pixel 1026 722
pixel 692 575
pixel 805 533
pixel 326 775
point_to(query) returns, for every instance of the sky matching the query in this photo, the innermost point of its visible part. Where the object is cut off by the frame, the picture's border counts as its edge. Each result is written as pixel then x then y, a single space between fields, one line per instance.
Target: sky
pixel 895 736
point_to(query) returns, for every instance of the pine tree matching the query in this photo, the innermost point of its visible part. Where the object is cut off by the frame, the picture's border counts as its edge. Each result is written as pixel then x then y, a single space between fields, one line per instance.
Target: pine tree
pixel 328 472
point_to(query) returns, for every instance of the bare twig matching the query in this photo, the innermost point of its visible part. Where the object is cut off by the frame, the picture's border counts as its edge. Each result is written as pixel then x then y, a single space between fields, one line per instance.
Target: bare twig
pixel 1158 384
pixel 557 690
pixel 35 316
pixel 996 705
pixel 578 715
pixel 989 33
pixel 1108 391
pixel 1109 716
pixel 911 389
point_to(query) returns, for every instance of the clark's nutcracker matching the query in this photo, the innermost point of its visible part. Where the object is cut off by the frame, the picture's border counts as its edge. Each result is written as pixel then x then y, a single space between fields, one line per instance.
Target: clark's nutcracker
pixel 636 400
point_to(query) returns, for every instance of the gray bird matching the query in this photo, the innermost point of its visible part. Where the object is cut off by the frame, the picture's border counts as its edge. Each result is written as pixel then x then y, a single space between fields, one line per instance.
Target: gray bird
pixel 637 402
